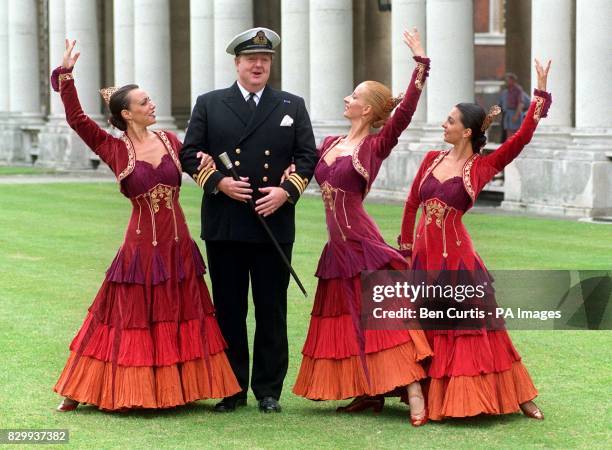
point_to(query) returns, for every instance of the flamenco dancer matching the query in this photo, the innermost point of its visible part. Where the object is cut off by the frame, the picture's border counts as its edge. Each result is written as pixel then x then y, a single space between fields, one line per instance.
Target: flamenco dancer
pixel 341 360
pixel 150 339
pixel 472 371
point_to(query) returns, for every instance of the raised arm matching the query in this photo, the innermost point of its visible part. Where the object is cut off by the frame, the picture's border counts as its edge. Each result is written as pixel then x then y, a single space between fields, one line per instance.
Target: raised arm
pixel 510 149
pixel 62 80
pixel 399 121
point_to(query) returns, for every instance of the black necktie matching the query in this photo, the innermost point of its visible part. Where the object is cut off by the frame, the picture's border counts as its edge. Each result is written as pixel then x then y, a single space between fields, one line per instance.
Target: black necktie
pixel 251 101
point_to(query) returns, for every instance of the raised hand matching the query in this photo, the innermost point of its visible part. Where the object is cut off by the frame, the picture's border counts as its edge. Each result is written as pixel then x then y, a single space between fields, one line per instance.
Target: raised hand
pixel 70 59
pixel 413 41
pixel 542 74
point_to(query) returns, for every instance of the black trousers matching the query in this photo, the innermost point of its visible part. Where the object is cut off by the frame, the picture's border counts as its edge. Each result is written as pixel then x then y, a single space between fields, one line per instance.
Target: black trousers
pixel 231 264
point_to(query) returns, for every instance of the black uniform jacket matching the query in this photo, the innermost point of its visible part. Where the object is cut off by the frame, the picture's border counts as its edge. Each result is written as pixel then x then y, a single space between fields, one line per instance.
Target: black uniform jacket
pixel 261 146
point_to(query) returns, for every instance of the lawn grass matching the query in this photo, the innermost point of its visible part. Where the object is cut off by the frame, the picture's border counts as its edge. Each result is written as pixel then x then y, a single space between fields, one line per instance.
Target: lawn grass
pixel 25 170
pixel 57 240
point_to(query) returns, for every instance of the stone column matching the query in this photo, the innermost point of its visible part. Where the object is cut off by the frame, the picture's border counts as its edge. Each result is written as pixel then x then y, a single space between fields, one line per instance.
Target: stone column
pixel 568 170
pixel 4 56
pixel 230 18
pixel 331 62
pixel 57 45
pixel 450 45
pixel 202 48
pixel 82 25
pixel 23 59
pixel 123 41
pixel 593 64
pixel 4 81
pixel 25 115
pixel 55 137
pixel 552 38
pixel 296 47
pixel 593 134
pixel 407 14
pixel 152 65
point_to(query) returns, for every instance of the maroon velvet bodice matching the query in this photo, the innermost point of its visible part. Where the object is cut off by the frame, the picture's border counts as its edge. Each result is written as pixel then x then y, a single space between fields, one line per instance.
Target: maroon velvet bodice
pixel 450 191
pixel 145 176
pixel 340 175
pixel 355 242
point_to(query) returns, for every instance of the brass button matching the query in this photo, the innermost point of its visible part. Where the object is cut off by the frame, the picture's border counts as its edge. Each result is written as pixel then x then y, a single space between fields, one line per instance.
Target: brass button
pixel 265 179
pixel 267 152
pixel 237 151
pixel 266 165
pixel 236 163
pixel 306 180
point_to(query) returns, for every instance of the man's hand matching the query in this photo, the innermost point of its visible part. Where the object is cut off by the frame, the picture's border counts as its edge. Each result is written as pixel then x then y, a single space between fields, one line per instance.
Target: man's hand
pixel 238 190
pixel 275 198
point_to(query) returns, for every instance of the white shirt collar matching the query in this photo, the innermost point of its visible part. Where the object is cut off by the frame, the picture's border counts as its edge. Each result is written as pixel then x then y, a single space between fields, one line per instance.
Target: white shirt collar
pixel 245 93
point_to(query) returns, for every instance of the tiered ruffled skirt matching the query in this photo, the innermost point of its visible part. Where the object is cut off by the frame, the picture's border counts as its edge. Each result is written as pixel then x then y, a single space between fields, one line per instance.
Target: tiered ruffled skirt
pixel 473 372
pixel 150 339
pixel 340 359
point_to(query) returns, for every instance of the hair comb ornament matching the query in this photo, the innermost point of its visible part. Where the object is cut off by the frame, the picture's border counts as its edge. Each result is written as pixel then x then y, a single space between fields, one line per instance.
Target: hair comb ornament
pixel 493 111
pixel 107 93
pixel 392 102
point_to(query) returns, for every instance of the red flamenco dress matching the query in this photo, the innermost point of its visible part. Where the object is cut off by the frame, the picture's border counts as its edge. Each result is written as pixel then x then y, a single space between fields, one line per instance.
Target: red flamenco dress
pixel 150 339
pixel 472 371
pixel 341 359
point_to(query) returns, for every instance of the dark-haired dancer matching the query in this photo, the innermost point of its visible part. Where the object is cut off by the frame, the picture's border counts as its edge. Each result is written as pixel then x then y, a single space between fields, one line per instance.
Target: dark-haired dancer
pixel 341 359
pixel 150 339
pixel 472 371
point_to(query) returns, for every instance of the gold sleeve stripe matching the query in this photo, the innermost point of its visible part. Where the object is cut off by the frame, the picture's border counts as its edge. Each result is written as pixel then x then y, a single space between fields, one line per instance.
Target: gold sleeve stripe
pixel 207 176
pixel 297 183
pixel 297 179
pixel 203 175
pixel 297 186
pixel 198 175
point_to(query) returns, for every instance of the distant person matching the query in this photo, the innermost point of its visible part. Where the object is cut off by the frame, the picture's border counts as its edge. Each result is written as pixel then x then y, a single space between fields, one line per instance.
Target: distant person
pixel 513 101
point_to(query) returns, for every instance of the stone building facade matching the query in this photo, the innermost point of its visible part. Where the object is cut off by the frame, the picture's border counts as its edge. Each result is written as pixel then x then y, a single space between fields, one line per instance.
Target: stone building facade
pixel 175 49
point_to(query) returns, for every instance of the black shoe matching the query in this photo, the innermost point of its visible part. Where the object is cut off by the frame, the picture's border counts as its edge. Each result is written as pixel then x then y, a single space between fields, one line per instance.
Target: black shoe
pixel 229 404
pixel 269 404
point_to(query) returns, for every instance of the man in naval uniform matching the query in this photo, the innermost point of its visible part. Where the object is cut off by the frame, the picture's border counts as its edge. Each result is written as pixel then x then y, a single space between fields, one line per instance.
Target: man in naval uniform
pixel 264 131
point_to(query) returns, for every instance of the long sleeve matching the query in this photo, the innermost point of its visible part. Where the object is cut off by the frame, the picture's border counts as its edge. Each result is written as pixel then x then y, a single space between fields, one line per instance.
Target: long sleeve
pixel 387 138
pixel 196 141
pixel 406 237
pixel 95 137
pixel 304 155
pixel 509 150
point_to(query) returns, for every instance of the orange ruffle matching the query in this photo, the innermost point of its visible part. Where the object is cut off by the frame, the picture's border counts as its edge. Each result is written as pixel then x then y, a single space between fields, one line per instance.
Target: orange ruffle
pixel 490 393
pixel 146 387
pixel 337 379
